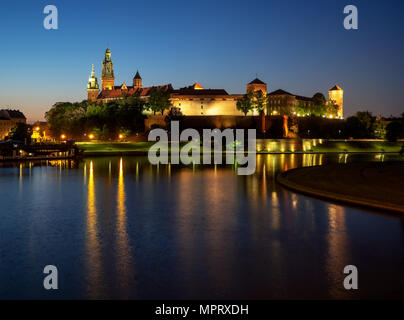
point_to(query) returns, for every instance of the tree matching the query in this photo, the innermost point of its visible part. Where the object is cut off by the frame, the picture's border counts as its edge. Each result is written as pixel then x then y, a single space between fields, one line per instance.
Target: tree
pixel 355 128
pixel 367 120
pixel 174 115
pixel 105 120
pixel 245 104
pixel 402 123
pixel 130 113
pixel 330 109
pixel 319 99
pixel 379 128
pixel 66 118
pixel 302 109
pixel 259 101
pixel 393 131
pixel 159 100
pixel 21 132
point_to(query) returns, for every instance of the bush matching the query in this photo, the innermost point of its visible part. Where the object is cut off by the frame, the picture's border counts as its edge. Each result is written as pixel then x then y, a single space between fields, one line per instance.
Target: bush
pixel 393 131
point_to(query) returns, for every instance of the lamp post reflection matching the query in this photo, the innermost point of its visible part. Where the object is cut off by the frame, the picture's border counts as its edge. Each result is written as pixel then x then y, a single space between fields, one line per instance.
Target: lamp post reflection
pixel 93 262
pixel 338 248
pixel 123 263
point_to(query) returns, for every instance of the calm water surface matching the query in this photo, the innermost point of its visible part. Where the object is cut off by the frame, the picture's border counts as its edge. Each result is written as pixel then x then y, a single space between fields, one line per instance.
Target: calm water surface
pixel 121 228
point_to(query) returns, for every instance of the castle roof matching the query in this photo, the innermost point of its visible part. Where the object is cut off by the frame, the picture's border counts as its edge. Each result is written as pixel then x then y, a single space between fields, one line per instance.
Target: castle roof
pixel 198 90
pixel 281 92
pixel 118 91
pixel 137 76
pixel 303 98
pixel 335 88
pixel 257 81
pixel 197 86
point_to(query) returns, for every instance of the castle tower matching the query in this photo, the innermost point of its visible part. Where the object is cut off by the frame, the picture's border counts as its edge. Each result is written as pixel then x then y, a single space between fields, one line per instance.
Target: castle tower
pixel 107 77
pixel 137 81
pixel 257 85
pixel 336 96
pixel 92 86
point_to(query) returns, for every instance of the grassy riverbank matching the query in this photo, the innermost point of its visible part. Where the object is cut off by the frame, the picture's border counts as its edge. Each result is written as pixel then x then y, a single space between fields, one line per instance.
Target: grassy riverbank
pixel 358 146
pixel 114 147
pixel 378 185
pixel 276 146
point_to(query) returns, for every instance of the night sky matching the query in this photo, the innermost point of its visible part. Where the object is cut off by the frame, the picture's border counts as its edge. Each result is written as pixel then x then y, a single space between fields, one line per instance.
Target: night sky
pixel 299 46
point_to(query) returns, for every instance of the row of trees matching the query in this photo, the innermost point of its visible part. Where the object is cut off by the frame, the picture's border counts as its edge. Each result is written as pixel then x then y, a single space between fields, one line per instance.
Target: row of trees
pixel 116 118
pixel 395 129
pixel 363 125
pixel 260 102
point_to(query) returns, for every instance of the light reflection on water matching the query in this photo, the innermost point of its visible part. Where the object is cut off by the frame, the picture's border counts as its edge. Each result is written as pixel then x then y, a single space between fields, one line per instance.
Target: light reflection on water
pixel 122 228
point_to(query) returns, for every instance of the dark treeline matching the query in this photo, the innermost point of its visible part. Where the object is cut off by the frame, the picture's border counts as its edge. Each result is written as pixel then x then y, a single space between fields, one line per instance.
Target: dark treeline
pixel 104 121
pixel 363 125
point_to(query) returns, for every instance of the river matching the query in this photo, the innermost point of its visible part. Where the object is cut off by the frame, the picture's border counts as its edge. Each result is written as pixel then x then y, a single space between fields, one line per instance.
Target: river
pixel 121 228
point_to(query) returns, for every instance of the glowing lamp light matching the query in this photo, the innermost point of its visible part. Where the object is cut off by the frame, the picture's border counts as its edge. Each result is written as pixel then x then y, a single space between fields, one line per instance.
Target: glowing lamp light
pixel 91 136
pixel 37 128
pixel 63 137
pixel 121 136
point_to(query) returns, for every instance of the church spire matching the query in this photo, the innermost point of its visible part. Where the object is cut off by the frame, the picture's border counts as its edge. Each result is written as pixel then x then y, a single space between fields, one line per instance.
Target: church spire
pixel 137 81
pixel 107 77
pixel 92 86
pixel 92 80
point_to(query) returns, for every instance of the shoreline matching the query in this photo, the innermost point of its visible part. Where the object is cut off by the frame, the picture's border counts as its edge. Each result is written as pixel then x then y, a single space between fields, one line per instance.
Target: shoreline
pixel 145 153
pixel 297 180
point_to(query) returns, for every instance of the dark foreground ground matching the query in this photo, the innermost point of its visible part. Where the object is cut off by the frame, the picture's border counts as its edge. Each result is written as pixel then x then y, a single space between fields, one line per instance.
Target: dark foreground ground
pixel 379 185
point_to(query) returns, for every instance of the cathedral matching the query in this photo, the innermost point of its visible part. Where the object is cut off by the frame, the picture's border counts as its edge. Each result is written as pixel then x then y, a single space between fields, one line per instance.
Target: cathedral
pixel 195 100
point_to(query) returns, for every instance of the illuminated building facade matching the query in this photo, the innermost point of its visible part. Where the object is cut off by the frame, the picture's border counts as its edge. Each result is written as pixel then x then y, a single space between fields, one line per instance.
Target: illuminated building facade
pixel 280 97
pixel 8 120
pixel 196 101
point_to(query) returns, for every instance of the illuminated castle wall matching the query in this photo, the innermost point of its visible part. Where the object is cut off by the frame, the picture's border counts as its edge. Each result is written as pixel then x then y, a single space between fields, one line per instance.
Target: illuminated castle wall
pixel 336 95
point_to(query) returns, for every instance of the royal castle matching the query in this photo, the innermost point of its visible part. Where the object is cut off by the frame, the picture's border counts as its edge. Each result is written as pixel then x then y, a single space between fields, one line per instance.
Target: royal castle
pixel 195 100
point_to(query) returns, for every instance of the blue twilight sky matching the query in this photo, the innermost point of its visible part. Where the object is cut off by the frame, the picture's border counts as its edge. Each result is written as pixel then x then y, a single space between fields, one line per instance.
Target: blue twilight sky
pixel 299 46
